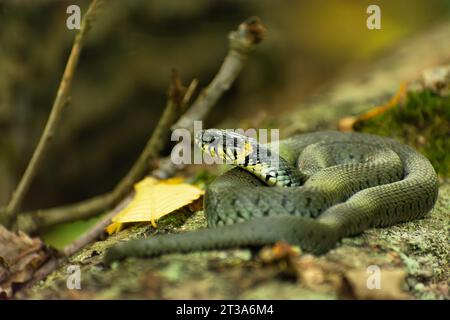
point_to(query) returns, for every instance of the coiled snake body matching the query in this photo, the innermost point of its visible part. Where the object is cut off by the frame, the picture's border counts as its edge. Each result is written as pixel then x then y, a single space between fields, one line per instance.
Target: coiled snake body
pixel 325 186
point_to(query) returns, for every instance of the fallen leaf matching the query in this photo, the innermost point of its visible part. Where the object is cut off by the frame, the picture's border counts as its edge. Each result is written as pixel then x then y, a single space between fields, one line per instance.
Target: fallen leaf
pixel 20 256
pixel 154 199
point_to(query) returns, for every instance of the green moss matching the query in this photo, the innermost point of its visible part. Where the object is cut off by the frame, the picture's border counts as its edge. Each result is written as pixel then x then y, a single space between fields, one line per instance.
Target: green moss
pixel 422 121
pixel 174 219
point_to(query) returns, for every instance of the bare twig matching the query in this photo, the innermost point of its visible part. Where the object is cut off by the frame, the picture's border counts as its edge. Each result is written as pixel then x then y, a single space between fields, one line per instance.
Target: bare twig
pixel 241 43
pixel 189 92
pixel 94 232
pixel 9 215
pixel 32 221
pixel 45 270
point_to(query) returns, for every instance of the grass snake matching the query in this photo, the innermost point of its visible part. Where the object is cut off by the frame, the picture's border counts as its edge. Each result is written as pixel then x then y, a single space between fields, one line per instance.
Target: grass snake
pixel 325 186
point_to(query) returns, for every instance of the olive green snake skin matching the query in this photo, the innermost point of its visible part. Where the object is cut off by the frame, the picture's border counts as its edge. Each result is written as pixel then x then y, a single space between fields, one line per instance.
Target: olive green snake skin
pixel 350 182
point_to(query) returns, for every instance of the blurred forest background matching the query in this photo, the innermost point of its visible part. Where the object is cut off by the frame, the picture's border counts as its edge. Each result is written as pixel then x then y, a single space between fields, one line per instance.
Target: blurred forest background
pixel 120 85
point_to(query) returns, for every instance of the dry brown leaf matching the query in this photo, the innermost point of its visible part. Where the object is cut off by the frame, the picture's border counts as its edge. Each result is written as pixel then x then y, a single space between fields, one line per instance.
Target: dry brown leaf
pixel 20 256
pixel 154 199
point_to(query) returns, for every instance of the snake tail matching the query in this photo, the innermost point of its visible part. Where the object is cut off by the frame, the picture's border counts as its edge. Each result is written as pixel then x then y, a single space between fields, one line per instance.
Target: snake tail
pixel 256 232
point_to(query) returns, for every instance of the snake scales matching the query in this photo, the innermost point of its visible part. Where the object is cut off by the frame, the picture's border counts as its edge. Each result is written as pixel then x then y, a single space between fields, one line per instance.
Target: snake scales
pixel 328 185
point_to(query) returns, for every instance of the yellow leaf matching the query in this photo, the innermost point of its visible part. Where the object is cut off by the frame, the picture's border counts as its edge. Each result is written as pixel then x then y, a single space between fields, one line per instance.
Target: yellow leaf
pixel 154 199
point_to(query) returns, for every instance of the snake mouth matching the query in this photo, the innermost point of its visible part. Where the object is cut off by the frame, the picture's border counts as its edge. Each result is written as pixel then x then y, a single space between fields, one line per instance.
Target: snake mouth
pixel 207 142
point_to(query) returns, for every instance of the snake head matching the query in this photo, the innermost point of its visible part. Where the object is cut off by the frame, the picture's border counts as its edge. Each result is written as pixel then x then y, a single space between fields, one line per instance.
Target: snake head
pixel 245 152
pixel 232 147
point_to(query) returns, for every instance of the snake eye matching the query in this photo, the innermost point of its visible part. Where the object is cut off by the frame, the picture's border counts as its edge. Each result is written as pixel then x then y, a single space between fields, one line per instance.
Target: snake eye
pixel 208 139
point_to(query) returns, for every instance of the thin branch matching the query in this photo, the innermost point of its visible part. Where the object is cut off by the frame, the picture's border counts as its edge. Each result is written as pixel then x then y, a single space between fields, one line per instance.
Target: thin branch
pixel 40 219
pixel 241 42
pixel 33 221
pixel 94 232
pixel 189 92
pixel 9 215
pixel 47 268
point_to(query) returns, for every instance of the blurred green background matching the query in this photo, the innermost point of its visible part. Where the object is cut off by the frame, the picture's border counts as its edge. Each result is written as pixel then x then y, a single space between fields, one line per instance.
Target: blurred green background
pixel 119 88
